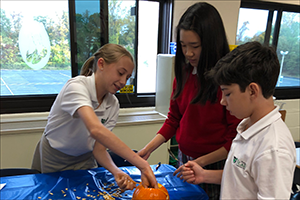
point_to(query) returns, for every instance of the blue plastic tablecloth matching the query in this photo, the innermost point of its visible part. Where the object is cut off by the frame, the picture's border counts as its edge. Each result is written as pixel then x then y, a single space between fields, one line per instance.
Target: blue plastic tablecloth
pixel 89 184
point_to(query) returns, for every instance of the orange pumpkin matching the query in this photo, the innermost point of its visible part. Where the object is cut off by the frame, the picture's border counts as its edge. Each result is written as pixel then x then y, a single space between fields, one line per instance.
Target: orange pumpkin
pixel 150 193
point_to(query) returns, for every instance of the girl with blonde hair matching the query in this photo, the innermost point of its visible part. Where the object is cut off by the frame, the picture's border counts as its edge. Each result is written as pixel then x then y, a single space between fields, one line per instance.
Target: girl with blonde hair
pixel 81 119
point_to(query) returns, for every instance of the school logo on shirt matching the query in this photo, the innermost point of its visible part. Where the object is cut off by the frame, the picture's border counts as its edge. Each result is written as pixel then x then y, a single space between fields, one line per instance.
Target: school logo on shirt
pixel 104 120
pixel 239 163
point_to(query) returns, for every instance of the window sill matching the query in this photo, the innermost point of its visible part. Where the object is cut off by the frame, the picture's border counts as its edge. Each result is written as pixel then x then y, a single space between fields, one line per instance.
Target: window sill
pixel 29 122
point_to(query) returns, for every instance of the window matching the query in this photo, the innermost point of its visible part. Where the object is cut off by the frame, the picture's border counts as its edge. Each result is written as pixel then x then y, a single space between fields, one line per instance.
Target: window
pixel 35 49
pixel 46 44
pixel 277 25
pixel 148 35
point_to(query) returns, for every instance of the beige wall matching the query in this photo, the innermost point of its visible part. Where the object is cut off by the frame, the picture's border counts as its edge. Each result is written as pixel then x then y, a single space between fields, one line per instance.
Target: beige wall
pixel 21 132
pixel 228 10
pixel 292 120
pixel 17 149
pixel 296 2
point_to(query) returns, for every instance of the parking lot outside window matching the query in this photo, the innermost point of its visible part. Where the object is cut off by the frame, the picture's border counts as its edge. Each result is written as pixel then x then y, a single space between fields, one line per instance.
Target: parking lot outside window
pixel 277 25
pixel 45 45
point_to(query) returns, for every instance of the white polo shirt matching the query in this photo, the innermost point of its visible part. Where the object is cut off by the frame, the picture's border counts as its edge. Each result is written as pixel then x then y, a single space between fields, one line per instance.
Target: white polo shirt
pixel 65 131
pixel 261 161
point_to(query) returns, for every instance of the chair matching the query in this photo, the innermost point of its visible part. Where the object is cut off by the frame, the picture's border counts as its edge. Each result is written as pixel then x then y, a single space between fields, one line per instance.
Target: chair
pixel 283 114
pixel 17 171
pixel 296 181
pixel 119 161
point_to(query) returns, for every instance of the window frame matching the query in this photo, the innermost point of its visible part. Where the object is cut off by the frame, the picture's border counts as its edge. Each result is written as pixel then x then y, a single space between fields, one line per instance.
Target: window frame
pixel 164 37
pixel 43 103
pixel 292 92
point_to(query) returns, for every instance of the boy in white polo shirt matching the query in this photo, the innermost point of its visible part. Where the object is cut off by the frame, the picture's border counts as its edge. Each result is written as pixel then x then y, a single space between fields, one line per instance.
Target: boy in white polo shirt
pixel 261 161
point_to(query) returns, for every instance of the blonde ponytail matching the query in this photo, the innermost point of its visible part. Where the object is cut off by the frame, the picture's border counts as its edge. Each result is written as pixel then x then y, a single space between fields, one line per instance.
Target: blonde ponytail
pixel 110 53
pixel 87 67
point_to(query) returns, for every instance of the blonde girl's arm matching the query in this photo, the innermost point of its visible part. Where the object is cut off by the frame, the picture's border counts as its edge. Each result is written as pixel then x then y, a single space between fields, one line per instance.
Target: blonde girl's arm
pixel 103 158
pixel 108 139
pixel 123 180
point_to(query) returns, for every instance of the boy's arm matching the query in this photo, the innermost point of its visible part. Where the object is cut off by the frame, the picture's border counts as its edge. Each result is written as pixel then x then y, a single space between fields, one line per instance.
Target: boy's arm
pixel 195 174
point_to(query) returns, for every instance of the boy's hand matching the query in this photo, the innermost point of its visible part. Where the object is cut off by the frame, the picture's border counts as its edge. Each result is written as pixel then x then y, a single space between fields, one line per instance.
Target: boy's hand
pixel 178 171
pixel 124 181
pixel 192 173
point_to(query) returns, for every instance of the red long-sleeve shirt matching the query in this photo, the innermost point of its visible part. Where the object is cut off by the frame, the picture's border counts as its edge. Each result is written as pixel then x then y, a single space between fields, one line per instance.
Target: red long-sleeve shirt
pixel 200 129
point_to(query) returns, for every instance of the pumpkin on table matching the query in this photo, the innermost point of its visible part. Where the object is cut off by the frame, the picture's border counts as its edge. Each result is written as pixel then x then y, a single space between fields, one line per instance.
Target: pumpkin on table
pixel 150 193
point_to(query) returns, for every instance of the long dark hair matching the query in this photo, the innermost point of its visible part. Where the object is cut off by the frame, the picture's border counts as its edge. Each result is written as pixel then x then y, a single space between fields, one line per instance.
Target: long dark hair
pixel 203 19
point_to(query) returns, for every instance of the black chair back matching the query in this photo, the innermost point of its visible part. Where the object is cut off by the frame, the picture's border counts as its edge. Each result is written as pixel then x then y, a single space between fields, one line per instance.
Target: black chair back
pixel 119 161
pixel 17 171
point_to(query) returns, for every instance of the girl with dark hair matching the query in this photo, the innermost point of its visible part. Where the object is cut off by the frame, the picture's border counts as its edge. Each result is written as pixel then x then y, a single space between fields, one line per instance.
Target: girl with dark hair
pixel 81 119
pixel 204 129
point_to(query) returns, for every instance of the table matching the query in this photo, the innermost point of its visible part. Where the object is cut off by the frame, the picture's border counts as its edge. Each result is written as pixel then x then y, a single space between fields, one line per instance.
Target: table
pixel 88 184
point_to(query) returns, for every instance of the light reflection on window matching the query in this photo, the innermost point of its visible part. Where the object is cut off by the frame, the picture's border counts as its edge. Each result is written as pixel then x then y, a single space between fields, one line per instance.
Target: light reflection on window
pixel 252 25
pixel 147 47
pixel 35 49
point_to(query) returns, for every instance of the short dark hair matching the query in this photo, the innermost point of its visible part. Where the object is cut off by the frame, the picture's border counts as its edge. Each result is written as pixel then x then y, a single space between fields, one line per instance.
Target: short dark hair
pixel 205 21
pixel 248 63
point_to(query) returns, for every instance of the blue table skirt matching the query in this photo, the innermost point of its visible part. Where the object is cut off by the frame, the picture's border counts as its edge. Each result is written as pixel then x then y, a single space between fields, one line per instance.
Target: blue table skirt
pixel 89 184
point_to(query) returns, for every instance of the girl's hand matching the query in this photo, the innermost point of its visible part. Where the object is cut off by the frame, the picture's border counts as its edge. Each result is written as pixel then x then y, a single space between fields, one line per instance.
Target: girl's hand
pixel 148 178
pixel 144 153
pixel 151 146
pixel 124 181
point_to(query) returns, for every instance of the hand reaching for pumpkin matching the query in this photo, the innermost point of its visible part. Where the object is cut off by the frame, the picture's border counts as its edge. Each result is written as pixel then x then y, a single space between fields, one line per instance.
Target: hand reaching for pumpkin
pixel 148 178
pixel 124 181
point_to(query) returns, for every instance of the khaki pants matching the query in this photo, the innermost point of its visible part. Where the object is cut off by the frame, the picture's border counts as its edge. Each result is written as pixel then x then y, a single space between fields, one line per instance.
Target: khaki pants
pixel 47 159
